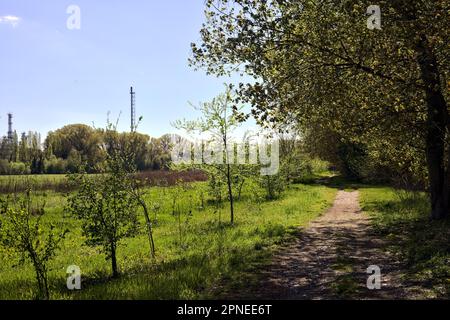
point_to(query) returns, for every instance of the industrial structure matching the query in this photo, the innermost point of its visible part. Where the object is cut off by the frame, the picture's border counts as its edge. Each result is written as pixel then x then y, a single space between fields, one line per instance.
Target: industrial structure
pixel 133 110
pixel 10 127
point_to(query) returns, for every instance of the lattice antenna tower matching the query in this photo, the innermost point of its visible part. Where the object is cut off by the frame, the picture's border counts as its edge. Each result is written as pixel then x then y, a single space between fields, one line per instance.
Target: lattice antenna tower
pixel 133 109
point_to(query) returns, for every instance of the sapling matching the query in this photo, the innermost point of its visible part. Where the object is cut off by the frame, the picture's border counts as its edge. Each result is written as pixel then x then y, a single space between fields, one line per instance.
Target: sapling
pixel 107 205
pixel 22 231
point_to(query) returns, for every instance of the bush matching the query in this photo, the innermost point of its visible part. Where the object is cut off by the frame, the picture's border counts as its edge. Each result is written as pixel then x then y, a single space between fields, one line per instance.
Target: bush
pixel 273 185
pixel 17 168
pixel 4 166
pixel 13 168
pixel 22 232
pixel 55 166
pixel 319 166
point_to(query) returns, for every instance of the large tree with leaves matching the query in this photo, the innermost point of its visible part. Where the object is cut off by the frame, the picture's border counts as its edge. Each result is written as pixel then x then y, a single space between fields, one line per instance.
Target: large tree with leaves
pixel 316 61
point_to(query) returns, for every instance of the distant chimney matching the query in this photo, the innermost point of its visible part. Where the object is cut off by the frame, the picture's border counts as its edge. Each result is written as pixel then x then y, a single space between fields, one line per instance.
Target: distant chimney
pixel 10 126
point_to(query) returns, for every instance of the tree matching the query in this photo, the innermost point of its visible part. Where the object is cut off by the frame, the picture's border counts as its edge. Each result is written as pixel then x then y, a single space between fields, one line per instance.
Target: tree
pixel 106 207
pixel 86 141
pixel 5 149
pixel 37 163
pixel 74 161
pixel 24 152
pixel 317 62
pixel 15 148
pixel 138 195
pixel 219 120
pixel 132 150
pixel 158 153
pixel 22 231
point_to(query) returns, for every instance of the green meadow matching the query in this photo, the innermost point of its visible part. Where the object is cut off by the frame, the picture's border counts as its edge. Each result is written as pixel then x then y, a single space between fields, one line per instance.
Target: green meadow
pixel 198 253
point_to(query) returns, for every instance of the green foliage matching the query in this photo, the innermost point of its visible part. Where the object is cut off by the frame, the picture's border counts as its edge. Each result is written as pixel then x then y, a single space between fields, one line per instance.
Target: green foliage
pixel 80 148
pixel 219 118
pixel 273 185
pixel 13 168
pixel 211 261
pixel 78 142
pixel 56 166
pixel 353 160
pixel 316 63
pixel 22 233
pixel 106 207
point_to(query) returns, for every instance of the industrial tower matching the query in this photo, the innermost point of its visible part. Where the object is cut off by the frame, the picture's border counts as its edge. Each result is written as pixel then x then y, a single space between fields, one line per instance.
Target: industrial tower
pixel 10 127
pixel 133 109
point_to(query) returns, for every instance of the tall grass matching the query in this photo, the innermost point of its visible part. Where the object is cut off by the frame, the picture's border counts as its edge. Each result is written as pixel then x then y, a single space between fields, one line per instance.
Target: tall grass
pixel 403 217
pixel 198 255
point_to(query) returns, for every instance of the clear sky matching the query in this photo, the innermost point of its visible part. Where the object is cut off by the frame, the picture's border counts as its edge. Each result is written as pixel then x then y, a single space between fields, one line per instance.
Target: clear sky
pixel 51 76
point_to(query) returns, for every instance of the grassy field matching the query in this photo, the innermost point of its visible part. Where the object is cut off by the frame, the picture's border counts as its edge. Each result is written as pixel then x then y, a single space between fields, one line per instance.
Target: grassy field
pixel 198 253
pixel 59 182
pixel 403 218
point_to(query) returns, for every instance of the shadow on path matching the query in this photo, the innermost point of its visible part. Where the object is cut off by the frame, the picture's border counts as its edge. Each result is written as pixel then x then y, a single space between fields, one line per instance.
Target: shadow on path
pixel 329 260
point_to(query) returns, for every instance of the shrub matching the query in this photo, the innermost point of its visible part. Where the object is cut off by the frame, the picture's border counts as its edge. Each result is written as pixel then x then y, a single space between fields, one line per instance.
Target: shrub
pixel 13 168
pixel 55 166
pixel 17 168
pixel 4 166
pixel 22 232
pixel 106 207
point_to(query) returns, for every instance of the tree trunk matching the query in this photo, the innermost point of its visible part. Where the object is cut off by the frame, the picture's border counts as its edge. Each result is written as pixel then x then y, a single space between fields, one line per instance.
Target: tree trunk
pixel 45 283
pixel 230 193
pixel 149 228
pixel 40 284
pixel 114 261
pixel 240 190
pixel 436 127
pixel 447 180
pixel 41 277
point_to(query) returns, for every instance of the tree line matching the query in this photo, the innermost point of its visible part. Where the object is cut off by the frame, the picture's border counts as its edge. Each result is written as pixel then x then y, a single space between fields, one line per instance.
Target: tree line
pixel 77 148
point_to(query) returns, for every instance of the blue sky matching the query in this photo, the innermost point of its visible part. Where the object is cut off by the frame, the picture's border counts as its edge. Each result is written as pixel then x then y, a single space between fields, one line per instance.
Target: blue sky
pixel 51 76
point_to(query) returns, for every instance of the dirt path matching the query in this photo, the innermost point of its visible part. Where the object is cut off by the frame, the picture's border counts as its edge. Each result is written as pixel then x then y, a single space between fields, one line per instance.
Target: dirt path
pixel 330 259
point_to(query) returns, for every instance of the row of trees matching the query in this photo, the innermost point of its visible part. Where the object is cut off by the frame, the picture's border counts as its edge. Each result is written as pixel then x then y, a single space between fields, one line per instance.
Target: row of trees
pixel 378 94
pixel 21 156
pixel 84 146
pixel 76 148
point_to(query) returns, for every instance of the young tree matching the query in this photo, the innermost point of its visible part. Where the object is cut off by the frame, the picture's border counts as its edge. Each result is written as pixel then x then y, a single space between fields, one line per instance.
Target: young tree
pixel 219 119
pixel 130 152
pixel 126 155
pixel 106 207
pixel 138 193
pixel 22 231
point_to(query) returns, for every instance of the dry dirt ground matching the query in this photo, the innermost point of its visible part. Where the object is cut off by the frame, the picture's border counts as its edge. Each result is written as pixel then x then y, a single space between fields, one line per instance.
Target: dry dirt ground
pixel 329 260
